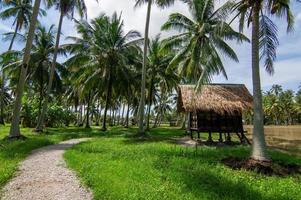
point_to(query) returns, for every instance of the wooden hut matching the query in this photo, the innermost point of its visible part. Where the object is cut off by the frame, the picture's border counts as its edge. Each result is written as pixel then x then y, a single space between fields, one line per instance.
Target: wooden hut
pixel 215 108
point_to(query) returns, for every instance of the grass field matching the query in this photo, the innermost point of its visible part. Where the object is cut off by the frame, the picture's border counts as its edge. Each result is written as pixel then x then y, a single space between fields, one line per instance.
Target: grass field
pixel 119 166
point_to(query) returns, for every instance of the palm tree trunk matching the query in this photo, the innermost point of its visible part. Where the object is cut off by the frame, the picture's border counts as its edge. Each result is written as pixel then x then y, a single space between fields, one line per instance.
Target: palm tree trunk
pixel 2 98
pixel 258 145
pixel 127 117
pixel 150 104
pixel 80 116
pixel 88 111
pixel 142 98
pixel 108 98
pixel 41 92
pixel 97 114
pixel 122 117
pixel 15 128
pixel 118 119
pixel 40 124
pixel 13 38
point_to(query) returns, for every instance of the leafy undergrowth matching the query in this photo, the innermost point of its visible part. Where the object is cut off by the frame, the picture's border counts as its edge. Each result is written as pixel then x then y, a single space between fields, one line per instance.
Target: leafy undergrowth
pixel 12 152
pixel 123 167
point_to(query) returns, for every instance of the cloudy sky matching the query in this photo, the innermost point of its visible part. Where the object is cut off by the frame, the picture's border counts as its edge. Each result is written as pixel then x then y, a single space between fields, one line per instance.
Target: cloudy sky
pixel 287 66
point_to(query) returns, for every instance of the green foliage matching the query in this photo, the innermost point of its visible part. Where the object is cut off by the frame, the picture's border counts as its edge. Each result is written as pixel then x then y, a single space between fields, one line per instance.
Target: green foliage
pixel 201 41
pixel 57 115
pixel 118 167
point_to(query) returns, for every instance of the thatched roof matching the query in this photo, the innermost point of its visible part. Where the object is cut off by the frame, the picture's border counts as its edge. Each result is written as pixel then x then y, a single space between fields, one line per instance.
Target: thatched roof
pixel 214 97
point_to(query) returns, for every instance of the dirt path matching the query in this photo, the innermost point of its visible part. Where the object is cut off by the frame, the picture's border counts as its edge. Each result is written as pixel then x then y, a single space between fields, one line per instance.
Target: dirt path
pixel 44 176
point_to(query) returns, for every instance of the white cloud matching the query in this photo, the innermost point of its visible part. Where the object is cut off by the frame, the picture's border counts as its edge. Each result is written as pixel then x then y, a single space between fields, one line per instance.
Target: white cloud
pixel 4 28
pixel 288 67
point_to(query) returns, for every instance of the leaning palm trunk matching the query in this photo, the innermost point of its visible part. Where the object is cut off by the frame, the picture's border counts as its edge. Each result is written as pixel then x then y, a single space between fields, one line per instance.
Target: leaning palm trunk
pixel 2 99
pixel 15 128
pixel 142 98
pixel 40 124
pixel 259 145
pixel 3 79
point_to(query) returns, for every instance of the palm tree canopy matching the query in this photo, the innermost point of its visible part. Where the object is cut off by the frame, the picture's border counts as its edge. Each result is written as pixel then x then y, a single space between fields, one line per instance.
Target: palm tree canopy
pixel 160 3
pixel 101 49
pixel 67 7
pixel 21 10
pixel 201 40
pixel 268 32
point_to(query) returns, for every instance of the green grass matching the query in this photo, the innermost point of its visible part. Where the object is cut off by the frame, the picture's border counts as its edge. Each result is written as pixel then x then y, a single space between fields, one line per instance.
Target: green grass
pixel 11 153
pixel 119 166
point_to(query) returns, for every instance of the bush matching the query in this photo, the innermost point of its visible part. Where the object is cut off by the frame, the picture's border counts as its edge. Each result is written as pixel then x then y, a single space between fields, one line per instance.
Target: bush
pixel 57 115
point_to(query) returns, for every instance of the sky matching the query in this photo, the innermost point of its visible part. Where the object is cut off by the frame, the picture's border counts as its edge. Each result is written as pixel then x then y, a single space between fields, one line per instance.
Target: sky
pixel 287 65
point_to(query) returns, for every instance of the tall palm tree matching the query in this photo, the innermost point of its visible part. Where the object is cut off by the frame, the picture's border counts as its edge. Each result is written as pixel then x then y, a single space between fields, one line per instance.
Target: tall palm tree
pixel 158 61
pixel 201 41
pixel 66 7
pixel 162 4
pixel 21 11
pixel 15 128
pixel 5 59
pixel 40 62
pixel 264 44
pixel 101 52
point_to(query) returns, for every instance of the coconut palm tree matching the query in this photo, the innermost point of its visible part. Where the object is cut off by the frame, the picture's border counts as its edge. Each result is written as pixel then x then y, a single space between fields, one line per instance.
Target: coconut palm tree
pixel 15 128
pixel 5 59
pixel 201 41
pixel 66 8
pixel 102 53
pixel 40 62
pixel 21 11
pixel 264 44
pixel 158 61
pixel 162 4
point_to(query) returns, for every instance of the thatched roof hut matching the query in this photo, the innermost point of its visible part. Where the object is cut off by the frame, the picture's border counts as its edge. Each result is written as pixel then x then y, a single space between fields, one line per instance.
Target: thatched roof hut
pixel 219 98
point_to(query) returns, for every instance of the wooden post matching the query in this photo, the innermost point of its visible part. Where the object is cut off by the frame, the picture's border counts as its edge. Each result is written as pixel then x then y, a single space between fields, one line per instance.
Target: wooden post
pixel 220 137
pixel 210 137
pixel 228 137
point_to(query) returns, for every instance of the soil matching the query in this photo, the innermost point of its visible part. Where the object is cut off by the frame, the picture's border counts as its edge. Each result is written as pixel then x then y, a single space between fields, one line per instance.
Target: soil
pixel 264 168
pixel 14 138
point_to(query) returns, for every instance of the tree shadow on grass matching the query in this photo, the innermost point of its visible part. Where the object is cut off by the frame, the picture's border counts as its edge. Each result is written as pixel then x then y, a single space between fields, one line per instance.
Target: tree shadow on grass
pixel 202 181
pixel 212 186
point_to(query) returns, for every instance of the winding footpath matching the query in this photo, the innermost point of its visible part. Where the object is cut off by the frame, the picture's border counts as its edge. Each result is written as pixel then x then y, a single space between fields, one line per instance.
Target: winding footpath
pixel 44 176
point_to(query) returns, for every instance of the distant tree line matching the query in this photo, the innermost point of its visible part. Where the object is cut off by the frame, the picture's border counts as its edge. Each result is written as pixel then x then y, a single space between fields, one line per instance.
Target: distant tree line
pixel 281 107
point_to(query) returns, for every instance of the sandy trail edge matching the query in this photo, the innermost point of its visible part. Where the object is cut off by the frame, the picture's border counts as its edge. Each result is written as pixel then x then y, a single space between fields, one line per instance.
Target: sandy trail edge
pixel 44 176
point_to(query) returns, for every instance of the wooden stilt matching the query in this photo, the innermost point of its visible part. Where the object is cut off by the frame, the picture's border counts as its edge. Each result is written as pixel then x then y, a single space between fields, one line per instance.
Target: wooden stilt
pixel 210 137
pixel 228 137
pixel 220 137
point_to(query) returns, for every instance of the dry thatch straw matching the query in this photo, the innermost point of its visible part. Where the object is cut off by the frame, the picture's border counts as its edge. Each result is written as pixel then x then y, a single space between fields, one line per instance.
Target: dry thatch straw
pixel 219 98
